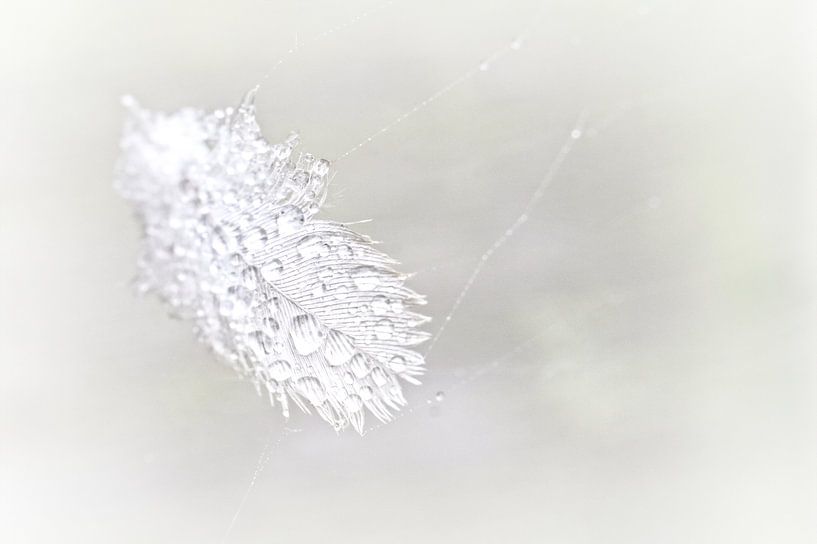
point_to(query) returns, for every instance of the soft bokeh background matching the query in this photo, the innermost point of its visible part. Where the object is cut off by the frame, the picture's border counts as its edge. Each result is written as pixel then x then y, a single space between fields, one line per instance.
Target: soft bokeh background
pixel 652 324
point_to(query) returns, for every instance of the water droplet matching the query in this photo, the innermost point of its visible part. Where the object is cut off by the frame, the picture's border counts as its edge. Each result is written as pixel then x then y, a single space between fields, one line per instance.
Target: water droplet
pixel 366 278
pixel 260 343
pixel 339 348
pixel 353 403
pixel 249 277
pixel 223 243
pixel 344 252
pixel 365 392
pixel 440 396
pixel 306 161
pixel 483 67
pixel 307 334
pixel 237 302
pixel 321 167
pixel 237 262
pixel 272 270
pixel 293 139
pixel 397 306
pixel 379 376
pixel 312 246
pixel 278 346
pixel 280 370
pixel 290 219
pixel 254 239
pixel 319 290
pixel 272 385
pixel 311 388
pixel 300 178
pixel 380 305
pixel 516 45
pixel 383 329
pixel 576 134
pixel 398 363
pixel 270 326
pixel 359 366
pixel 326 273
pixel 396 393
pixel 341 292
pixel 348 378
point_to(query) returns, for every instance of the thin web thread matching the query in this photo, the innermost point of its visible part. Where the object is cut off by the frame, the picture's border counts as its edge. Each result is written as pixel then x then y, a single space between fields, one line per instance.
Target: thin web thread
pixel 575 134
pixel 537 195
pixel 325 34
pixel 270 446
pixel 483 66
pixel 519 348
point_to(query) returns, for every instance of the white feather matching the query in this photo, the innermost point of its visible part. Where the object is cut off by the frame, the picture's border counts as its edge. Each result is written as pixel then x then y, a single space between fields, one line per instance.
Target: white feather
pixel 308 309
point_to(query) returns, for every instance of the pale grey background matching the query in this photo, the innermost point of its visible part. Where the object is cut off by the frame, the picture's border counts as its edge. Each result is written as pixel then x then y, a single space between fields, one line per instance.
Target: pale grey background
pixel 669 273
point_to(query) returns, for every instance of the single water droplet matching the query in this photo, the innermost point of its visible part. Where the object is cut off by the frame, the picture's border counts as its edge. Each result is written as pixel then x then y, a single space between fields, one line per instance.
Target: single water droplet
pixel 359 366
pixel 300 178
pixel 321 167
pixel 311 388
pixel 516 45
pixel 576 134
pixel 249 277
pixel 306 161
pixel 353 403
pixel 272 270
pixel 366 278
pixel 293 139
pixel 383 329
pixel 341 292
pixel 483 67
pixel 260 343
pixel 365 392
pixel 237 302
pixel 440 396
pixel 270 326
pixel 344 252
pixel 348 378
pixel 380 305
pixel 280 370
pixel 312 246
pixel 319 290
pixel 290 219
pixel 307 334
pixel 379 376
pixel 254 239
pixel 326 273
pixel 222 242
pixel 398 363
pixel 237 261
pixel 272 385
pixel 396 393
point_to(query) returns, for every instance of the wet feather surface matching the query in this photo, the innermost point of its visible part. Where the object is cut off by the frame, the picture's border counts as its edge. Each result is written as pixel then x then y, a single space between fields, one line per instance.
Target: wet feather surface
pixel 309 310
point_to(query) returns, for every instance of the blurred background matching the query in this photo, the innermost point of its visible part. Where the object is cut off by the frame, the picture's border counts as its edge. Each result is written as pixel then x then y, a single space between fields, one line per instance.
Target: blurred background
pixel 635 364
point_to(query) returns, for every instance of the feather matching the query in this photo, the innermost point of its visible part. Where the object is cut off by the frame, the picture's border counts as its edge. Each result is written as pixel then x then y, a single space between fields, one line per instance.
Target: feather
pixel 307 309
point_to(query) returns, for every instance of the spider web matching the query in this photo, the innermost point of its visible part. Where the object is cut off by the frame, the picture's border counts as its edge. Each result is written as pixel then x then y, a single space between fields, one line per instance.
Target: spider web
pixel 586 124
